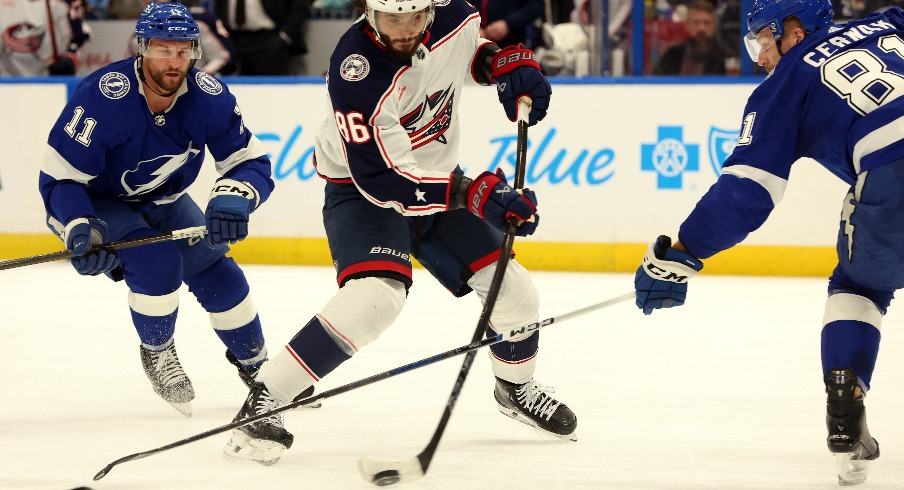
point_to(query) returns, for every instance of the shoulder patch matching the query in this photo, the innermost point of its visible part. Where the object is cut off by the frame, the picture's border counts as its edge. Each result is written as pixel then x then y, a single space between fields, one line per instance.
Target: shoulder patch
pixel 114 85
pixel 208 83
pixel 442 3
pixel 354 68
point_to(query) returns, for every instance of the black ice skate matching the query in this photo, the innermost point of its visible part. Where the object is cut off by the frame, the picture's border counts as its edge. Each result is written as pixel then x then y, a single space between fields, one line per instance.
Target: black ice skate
pixel 248 377
pixel 167 377
pixel 262 441
pixel 849 438
pixel 531 404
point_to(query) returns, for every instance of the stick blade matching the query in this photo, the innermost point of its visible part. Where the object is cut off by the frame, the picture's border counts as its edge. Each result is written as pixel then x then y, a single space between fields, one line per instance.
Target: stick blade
pixel 386 473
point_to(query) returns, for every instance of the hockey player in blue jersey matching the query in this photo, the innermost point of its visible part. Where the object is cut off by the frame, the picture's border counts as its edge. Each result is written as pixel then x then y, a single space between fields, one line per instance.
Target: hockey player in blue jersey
pixel 833 94
pixel 388 150
pixel 121 155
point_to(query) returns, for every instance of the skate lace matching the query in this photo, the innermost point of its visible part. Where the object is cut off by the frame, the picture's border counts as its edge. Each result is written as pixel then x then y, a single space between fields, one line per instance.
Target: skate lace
pixel 264 402
pixel 534 398
pixel 167 367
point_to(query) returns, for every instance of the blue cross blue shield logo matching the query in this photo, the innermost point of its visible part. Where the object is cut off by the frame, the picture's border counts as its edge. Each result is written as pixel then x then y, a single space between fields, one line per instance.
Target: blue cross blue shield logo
pixel 721 143
pixel 670 157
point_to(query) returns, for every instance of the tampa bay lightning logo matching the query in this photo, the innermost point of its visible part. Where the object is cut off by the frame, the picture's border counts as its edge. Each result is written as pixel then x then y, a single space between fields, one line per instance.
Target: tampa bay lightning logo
pixel 151 174
pixel 354 68
pixel 114 85
pixel 721 143
pixel 208 83
pixel 430 120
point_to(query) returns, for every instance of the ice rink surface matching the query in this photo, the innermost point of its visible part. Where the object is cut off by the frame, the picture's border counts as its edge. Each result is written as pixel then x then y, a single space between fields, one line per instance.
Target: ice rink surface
pixel 725 392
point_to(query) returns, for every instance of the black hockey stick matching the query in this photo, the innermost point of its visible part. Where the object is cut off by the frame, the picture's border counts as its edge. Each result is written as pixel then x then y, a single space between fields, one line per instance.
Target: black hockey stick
pixel 408 469
pixel 197 231
pixel 383 473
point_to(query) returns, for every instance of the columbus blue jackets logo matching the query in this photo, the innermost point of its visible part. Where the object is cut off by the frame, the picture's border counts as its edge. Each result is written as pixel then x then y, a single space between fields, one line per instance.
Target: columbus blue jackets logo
pixel 23 38
pixel 151 174
pixel 354 67
pixel 431 119
pixel 208 83
pixel 721 143
pixel 114 85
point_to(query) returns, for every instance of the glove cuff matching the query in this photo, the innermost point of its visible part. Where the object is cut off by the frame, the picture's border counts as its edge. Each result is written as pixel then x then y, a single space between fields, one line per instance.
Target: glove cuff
pixel 97 234
pixel 512 57
pixel 240 188
pixel 669 265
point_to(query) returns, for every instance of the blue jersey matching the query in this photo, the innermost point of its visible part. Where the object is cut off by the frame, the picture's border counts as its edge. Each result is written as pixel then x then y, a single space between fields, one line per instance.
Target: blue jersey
pixel 107 142
pixel 392 128
pixel 836 98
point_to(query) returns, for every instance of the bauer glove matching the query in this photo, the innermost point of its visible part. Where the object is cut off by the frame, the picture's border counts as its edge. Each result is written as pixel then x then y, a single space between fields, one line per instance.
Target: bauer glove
pixel 517 74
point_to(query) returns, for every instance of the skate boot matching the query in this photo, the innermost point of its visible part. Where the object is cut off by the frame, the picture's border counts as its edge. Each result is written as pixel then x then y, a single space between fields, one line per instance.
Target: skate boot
pixel 262 441
pixel 849 438
pixel 248 377
pixel 167 377
pixel 531 404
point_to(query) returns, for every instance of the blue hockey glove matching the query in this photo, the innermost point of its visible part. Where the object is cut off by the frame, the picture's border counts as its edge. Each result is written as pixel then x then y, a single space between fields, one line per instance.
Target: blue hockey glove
pixel 79 236
pixel 661 281
pixel 490 197
pixel 231 201
pixel 517 73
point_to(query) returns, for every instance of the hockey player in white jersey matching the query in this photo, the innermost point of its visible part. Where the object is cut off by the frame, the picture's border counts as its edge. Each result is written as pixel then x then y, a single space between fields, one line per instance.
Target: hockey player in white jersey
pixel 121 156
pixel 388 150
pixel 834 94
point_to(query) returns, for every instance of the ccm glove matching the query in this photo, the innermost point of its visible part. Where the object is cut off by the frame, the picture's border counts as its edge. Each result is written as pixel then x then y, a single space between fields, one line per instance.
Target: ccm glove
pixel 490 197
pixel 79 236
pixel 231 201
pixel 661 282
pixel 517 73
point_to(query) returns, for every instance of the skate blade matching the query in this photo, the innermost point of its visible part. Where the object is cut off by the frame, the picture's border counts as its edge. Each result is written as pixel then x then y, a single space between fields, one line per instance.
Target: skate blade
pixel 243 447
pixel 183 408
pixel 514 414
pixel 851 471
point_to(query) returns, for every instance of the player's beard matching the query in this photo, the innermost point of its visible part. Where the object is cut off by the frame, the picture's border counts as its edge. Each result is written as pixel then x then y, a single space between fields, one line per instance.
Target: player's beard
pixel 167 84
pixel 402 53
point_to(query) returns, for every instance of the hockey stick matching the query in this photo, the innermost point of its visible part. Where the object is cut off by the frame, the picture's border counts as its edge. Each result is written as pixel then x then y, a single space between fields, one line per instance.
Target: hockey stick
pixel 383 473
pixel 408 469
pixel 197 231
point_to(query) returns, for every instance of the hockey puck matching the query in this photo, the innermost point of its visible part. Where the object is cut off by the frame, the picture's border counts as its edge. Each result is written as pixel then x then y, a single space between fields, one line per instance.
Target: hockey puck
pixel 386 478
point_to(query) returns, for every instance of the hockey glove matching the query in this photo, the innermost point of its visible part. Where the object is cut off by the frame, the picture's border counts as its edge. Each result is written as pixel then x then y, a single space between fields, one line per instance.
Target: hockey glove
pixel 490 197
pixel 661 281
pixel 517 73
pixel 231 201
pixel 79 236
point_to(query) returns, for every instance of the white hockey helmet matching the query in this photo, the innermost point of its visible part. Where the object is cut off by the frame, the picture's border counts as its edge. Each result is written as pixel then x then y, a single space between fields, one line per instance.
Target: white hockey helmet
pixel 398 7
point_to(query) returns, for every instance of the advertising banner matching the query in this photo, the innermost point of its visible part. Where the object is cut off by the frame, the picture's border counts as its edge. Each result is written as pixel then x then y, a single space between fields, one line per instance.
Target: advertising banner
pixel 611 163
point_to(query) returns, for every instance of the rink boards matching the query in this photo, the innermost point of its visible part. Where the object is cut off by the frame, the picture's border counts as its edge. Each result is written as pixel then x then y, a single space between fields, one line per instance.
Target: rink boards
pixel 614 165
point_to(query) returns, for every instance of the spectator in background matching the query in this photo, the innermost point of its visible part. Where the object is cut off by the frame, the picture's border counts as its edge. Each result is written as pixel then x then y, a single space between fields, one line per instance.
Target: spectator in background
pixel 266 33
pixel 218 56
pixel 32 45
pixel 702 54
pixel 506 22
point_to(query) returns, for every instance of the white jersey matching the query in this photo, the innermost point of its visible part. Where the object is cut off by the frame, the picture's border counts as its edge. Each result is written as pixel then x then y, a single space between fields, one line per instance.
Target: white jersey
pixel 393 126
pixel 26 48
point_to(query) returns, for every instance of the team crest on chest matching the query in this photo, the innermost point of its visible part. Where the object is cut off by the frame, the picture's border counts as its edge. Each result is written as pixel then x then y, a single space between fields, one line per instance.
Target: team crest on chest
pixel 114 85
pixel 208 83
pixel 430 120
pixel 353 68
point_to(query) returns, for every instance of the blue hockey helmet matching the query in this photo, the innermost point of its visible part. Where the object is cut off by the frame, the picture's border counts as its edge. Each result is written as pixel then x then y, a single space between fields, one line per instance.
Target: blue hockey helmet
pixel 170 21
pixel 813 15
